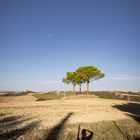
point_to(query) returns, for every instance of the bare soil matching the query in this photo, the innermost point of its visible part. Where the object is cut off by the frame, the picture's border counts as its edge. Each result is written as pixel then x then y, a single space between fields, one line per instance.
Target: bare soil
pixel 23 98
pixel 49 113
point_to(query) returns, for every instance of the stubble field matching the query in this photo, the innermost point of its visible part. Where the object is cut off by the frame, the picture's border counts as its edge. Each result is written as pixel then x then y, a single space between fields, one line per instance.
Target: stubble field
pixel 22 118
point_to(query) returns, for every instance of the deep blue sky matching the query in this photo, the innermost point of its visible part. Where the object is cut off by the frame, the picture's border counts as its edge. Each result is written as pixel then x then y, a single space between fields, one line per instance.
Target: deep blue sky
pixel 40 40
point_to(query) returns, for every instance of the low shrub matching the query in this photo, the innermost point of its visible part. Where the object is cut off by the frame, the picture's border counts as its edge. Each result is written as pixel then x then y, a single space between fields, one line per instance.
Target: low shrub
pixel 129 96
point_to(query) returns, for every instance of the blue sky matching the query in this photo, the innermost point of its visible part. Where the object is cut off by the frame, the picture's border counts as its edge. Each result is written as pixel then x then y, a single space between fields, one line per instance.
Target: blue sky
pixel 41 40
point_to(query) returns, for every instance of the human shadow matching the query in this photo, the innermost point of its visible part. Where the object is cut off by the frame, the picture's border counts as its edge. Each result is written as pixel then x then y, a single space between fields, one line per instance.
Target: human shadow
pixel 131 109
pixel 85 134
pixel 55 131
pixel 12 127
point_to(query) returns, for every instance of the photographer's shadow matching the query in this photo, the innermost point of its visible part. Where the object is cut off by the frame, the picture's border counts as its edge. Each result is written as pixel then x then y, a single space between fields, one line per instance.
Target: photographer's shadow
pixel 85 134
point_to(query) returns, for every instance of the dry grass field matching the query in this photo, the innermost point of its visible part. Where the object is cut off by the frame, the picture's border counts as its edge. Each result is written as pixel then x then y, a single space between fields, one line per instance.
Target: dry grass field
pixel 24 118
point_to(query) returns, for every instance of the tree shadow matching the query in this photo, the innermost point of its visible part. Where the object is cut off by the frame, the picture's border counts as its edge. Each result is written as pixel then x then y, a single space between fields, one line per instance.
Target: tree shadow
pixel 55 131
pixel 136 137
pixel 9 119
pixel 12 127
pixel 131 109
pixel 85 134
pixel 2 114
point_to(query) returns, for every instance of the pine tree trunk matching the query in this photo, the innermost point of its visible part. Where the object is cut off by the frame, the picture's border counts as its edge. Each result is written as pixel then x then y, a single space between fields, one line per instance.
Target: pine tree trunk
pixel 73 89
pixel 87 87
pixel 80 88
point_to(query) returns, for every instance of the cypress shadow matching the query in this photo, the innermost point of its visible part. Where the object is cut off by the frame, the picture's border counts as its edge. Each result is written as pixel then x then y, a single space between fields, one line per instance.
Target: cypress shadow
pixel 10 130
pixel 55 131
pixel 131 109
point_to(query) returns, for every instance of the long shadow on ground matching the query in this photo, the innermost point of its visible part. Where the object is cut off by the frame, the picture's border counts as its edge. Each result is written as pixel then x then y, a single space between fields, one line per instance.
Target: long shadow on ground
pixel 137 138
pixel 131 109
pixel 11 129
pixel 55 131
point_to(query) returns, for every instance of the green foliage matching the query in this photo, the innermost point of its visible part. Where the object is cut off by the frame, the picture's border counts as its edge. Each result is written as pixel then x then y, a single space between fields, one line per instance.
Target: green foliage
pixel 47 96
pixel 65 80
pixel 51 96
pixel 90 73
pixel 85 74
pixel 70 78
